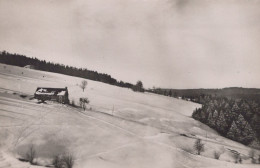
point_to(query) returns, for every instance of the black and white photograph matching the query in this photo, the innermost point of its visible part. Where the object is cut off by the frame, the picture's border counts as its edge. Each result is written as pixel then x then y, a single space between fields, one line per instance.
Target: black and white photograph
pixel 130 83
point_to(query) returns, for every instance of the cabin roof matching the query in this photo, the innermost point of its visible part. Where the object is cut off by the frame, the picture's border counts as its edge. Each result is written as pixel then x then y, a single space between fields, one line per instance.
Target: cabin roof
pixel 50 88
pixel 62 93
pixel 51 91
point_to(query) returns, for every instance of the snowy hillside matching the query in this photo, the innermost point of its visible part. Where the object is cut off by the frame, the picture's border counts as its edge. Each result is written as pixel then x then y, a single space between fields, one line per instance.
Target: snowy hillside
pixel 122 129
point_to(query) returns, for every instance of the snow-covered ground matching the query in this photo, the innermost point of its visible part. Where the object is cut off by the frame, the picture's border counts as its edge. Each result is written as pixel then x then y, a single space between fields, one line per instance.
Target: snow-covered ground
pixel 122 129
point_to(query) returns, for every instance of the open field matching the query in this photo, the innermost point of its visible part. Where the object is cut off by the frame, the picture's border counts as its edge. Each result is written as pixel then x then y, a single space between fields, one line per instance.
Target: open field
pixel 122 129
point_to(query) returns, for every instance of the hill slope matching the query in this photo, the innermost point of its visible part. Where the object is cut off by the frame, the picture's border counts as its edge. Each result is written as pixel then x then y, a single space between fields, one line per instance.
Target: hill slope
pixel 123 129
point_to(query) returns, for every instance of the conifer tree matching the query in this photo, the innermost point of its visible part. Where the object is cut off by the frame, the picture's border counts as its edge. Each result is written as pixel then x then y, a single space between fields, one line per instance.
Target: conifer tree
pixel 215 115
pixel 221 123
pixel 212 118
pixel 203 116
pixel 235 109
pixel 229 117
pixel 245 110
pixel 255 123
pixel 241 122
pixel 247 134
pixel 210 121
pixel 233 132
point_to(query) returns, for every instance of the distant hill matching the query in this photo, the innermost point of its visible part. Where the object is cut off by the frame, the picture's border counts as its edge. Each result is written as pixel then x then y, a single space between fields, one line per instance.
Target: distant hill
pixel 230 92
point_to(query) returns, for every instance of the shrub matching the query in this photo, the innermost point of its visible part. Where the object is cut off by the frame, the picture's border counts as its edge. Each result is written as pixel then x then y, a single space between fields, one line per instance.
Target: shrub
pixel 57 161
pixel 66 160
pixel 73 103
pixel 240 160
pixel 216 155
pixel 23 96
pixel 31 154
pixel 236 157
pixel 252 156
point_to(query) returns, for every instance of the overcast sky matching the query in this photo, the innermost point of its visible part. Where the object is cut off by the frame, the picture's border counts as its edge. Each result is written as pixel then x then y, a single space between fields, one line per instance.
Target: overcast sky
pixel 164 43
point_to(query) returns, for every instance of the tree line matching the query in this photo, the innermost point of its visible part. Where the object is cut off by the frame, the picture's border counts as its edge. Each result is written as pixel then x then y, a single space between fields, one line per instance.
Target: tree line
pixel 21 61
pixel 233 112
pixel 236 119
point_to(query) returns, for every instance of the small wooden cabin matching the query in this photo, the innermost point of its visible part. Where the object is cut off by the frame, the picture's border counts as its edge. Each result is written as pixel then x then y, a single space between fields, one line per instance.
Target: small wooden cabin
pixel 60 95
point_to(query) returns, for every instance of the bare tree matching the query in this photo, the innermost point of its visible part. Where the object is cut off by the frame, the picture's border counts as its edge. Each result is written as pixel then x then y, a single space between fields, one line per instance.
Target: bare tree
pixel 65 160
pixel 31 154
pixel 83 85
pixel 199 146
pixel 57 161
pixel 69 160
pixel 83 102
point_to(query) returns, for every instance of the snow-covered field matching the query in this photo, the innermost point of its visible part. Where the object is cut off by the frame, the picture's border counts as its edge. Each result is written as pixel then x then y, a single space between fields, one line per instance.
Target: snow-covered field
pixel 122 129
